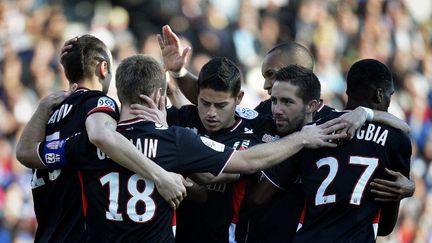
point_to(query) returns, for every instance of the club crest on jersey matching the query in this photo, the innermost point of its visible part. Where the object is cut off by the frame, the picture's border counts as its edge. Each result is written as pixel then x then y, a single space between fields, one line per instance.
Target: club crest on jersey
pixel 213 144
pixel 246 113
pixel 105 102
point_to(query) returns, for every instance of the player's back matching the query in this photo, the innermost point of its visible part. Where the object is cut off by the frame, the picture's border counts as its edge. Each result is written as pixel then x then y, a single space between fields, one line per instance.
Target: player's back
pixel 56 193
pixel 123 206
pixel 339 204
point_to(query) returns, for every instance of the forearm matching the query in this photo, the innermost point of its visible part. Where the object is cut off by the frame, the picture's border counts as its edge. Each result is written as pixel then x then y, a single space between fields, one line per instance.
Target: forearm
pixel 122 151
pixel 207 178
pixel 178 99
pixel 33 133
pixel 266 155
pixel 188 85
pixel 388 219
pixel 391 120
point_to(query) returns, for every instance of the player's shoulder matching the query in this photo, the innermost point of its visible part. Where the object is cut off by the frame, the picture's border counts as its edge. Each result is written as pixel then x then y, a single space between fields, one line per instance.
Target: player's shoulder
pixel 246 113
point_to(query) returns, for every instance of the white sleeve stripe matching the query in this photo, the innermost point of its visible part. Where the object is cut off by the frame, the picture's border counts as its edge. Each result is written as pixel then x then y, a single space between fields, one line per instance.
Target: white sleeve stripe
pixel 226 163
pixel 272 182
pixel 37 151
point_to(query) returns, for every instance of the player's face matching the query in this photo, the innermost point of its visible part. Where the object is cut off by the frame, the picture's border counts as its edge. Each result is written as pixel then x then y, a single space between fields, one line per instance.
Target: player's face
pixel 271 64
pixel 216 108
pixel 288 109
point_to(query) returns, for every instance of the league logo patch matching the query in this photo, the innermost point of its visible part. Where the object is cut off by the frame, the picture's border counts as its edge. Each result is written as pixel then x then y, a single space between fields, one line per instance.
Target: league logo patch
pixel 213 144
pixel 106 102
pixel 246 113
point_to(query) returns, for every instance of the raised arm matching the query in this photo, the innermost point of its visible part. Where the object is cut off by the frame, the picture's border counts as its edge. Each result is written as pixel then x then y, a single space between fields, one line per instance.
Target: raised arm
pixel 34 131
pixel 263 156
pixel 174 61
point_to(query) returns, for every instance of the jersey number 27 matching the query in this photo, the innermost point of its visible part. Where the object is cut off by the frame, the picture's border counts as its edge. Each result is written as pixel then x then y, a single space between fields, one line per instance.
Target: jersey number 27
pixel 370 164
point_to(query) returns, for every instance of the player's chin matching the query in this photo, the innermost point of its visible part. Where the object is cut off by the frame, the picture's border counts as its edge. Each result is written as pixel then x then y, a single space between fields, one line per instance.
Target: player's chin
pixel 212 126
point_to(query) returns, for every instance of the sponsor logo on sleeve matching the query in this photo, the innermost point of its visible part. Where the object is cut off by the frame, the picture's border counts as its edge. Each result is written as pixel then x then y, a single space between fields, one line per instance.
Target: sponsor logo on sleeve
pixel 105 102
pixel 213 144
pixel 246 113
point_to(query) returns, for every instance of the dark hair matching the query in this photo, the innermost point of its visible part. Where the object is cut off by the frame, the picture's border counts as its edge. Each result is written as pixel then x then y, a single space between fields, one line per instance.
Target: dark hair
pixel 220 74
pixel 81 60
pixel 309 87
pixel 366 75
pixel 292 53
pixel 138 74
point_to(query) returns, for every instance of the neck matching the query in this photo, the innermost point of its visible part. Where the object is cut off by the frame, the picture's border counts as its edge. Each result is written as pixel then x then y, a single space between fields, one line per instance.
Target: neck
pixel 352 104
pixel 126 115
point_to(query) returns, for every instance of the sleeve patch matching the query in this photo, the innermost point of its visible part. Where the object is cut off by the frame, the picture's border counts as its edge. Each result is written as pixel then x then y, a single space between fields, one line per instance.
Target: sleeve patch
pixel 213 144
pixel 54 154
pixel 105 102
pixel 246 113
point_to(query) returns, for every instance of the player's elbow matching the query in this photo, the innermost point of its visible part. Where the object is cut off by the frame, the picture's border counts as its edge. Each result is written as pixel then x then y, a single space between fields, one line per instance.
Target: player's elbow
pixel 98 138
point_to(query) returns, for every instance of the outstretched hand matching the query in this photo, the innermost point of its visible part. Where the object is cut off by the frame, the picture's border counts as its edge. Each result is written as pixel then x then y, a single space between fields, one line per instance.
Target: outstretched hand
pixel 392 191
pixel 316 136
pixel 173 58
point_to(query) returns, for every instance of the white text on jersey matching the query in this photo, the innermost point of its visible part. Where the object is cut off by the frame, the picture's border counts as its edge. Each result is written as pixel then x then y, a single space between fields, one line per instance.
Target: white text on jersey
pixel 372 133
pixel 147 146
pixel 60 113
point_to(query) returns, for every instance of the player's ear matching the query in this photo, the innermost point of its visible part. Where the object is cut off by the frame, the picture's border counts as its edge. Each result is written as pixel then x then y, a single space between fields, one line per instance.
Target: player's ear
pixel 239 97
pixel 312 106
pixel 103 69
pixel 379 95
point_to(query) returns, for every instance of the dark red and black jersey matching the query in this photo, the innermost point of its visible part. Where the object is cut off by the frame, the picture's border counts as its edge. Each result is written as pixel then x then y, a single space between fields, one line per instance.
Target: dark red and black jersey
pixel 56 193
pixel 121 205
pixel 210 221
pixel 339 205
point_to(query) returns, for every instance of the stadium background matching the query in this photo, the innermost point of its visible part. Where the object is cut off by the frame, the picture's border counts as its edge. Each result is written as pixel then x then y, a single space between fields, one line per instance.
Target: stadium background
pixel 397 32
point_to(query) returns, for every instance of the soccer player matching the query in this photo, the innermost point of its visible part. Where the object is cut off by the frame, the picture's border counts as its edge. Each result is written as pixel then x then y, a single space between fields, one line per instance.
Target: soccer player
pixel 219 87
pixel 123 206
pixel 270 224
pixel 57 193
pixel 339 206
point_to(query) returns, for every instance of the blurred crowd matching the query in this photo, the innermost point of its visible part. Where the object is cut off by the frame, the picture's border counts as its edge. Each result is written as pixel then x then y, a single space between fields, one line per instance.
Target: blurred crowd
pixel 396 32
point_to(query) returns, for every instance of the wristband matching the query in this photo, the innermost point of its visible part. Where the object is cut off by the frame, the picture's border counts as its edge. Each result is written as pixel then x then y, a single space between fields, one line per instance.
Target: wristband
pixel 180 74
pixel 369 113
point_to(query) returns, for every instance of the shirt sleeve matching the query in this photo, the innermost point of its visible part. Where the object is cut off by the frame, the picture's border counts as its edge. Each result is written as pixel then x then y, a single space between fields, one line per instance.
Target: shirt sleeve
pixel 102 104
pixel 56 154
pixel 197 154
pixel 284 174
pixel 400 152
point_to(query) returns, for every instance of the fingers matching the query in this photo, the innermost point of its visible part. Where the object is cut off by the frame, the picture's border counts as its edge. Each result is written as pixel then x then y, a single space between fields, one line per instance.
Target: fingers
pixel 148 100
pixel 333 127
pixel 160 41
pixel 67 46
pixel 334 136
pixel 185 53
pixel 162 105
pixel 384 196
pixel 385 183
pixel 331 123
pixel 393 173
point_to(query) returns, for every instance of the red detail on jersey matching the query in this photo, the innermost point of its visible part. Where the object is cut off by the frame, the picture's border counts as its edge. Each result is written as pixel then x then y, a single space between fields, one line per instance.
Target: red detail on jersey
pixel 303 213
pixel 174 219
pixel 99 109
pixel 238 195
pixel 83 197
pixel 377 217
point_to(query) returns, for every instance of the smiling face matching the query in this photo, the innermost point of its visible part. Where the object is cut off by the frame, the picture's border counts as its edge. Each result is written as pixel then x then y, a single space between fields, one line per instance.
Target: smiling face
pixel 216 108
pixel 289 110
